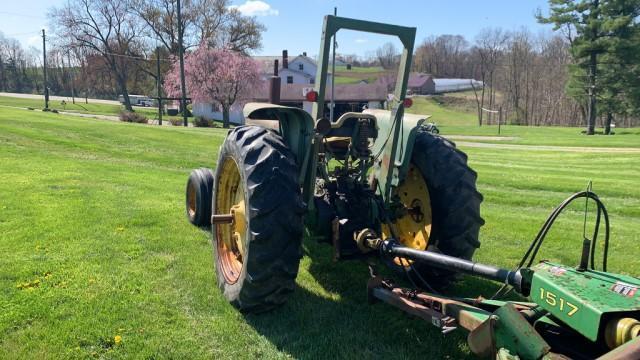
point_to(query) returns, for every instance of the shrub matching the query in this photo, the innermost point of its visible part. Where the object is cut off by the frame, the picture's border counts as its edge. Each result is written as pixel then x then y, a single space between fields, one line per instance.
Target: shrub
pixel 55 111
pixel 46 109
pixel 30 108
pixel 130 116
pixel 202 122
pixel 175 122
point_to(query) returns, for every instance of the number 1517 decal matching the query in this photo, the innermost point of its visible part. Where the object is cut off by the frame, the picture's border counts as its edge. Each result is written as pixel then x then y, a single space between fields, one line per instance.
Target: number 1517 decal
pixel 557 301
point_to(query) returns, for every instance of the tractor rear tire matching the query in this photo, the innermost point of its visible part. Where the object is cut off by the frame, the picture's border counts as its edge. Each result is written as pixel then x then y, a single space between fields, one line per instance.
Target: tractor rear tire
pixel 455 202
pixel 257 268
pixel 198 197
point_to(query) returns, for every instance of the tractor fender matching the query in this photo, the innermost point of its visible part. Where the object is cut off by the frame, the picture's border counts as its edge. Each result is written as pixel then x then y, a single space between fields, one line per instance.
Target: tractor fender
pixel 294 125
pixel 407 138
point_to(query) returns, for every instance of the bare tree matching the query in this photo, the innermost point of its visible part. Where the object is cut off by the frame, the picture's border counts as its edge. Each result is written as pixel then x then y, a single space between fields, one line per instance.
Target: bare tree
pixel 107 28
pixel 489 47
pixel 213 22
pixel 387 56
pixel 444 56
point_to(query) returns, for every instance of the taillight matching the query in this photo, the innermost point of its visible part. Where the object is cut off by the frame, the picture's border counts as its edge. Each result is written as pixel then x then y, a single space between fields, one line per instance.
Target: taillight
pixel 312 96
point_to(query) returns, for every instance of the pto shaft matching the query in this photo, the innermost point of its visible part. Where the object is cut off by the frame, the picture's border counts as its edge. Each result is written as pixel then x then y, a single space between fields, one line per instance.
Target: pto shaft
pixel 445 262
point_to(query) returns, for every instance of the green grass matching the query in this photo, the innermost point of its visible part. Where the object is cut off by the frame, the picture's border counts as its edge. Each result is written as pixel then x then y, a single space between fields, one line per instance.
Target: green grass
pixel 357 74
pixel 78 107
pixel 354 80
pixel 360 69
pixel 95 245
pixel 452 121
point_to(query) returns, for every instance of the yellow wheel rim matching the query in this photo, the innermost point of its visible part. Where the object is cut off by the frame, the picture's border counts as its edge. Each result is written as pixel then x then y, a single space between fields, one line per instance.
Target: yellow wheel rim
pixel 191 200
pixel 414 228
pixel 230 238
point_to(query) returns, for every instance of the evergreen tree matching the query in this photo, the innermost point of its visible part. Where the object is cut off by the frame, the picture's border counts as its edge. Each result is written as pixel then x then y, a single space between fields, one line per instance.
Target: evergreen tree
pixel 603 37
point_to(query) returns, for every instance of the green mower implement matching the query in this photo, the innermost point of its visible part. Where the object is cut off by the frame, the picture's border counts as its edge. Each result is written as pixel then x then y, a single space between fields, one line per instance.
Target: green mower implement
pixel 379 185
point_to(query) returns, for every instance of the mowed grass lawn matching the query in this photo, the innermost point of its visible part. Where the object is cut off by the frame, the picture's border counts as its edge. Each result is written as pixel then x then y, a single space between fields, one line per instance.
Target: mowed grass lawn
pixel 78 107
pixel 98 259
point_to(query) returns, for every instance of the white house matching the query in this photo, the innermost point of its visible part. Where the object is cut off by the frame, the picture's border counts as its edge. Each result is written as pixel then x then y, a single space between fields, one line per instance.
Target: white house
pixel 298 70
pixel 348 97
pixel 296 76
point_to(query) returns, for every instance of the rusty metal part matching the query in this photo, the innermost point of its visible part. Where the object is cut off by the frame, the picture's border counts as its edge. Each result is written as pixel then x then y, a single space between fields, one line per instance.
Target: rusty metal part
pixel 191 199
pixel 630 350
pixel 230 235
pixel 445 313
pixel 221 219
pixel 482 340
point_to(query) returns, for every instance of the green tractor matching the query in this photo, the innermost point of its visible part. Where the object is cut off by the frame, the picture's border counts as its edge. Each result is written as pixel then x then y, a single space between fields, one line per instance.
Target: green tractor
pixel 378 183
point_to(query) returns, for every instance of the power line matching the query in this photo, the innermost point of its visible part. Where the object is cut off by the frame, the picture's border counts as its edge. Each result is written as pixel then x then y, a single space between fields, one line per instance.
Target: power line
pixel 23 15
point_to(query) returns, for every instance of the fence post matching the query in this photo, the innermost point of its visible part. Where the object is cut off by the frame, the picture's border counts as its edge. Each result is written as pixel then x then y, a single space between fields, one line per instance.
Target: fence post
pixel 499 119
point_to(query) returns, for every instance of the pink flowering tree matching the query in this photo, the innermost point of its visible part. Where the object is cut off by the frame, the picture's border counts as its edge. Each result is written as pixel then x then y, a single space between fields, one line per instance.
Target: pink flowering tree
pixel 219 76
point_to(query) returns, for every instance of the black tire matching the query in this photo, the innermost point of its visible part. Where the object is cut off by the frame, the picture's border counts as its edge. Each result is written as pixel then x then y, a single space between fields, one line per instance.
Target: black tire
pixel 198 197
pixel 274 219
pixel 455 202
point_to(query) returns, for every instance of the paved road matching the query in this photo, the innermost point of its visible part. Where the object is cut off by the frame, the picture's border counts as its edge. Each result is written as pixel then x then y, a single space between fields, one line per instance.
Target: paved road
pixel 95 116
pixel 59 98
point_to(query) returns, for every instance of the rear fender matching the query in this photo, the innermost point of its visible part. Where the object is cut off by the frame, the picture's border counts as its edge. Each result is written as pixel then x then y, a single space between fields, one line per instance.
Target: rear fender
pixel 407 137
pixel 294 125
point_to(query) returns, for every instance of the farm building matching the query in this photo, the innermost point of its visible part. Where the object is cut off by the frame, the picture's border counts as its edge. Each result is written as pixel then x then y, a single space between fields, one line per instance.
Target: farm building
pixel 299 70
pixel 452 85
pixel 421 84
pixel 348 97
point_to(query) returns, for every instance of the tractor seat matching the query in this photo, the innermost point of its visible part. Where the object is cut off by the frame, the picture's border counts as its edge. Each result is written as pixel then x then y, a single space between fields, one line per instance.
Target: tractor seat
pixel 338 143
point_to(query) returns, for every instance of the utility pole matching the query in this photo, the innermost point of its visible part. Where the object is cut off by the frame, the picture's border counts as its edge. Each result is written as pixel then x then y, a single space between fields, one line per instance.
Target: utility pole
pixel 181 54
pixel 333 72
pixel 73 91
pixel 159 84
pixel 44 70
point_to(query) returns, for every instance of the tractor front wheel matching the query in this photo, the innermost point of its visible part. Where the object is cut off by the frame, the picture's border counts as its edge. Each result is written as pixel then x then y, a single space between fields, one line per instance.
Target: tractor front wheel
pixel 258 247
pixel 198 197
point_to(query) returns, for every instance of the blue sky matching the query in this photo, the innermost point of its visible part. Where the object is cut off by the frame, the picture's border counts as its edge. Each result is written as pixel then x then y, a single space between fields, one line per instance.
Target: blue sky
pixel 296 25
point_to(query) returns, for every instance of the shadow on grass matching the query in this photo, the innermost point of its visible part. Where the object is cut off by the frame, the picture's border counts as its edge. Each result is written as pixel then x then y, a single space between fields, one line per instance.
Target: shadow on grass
pixel 330 317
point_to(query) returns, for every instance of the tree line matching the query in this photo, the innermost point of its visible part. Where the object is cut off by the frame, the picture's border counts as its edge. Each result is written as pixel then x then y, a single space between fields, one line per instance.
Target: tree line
pixel 586 72
pixel 106 48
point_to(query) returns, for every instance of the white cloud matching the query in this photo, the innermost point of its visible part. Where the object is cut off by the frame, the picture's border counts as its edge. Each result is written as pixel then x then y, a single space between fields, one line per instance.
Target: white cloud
pixel 255 8
pixel 361 41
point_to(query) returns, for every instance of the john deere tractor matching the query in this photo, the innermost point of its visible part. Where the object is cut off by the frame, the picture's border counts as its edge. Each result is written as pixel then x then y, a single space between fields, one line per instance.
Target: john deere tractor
pixel 378 183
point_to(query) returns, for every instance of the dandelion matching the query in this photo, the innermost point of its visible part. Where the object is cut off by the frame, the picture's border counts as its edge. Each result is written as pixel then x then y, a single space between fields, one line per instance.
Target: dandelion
pixel 117 339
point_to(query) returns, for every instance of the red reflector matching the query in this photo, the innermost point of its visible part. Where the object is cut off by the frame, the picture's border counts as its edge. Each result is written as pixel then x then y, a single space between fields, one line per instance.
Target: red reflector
pixel 407 103
pixel 312 96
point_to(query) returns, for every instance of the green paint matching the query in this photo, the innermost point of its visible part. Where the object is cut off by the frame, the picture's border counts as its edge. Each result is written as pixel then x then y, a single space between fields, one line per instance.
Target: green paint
pixel 513 332
pixel 582 299
pixel 406 35
pixel 397 169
